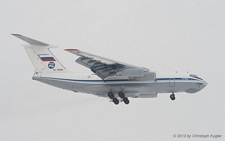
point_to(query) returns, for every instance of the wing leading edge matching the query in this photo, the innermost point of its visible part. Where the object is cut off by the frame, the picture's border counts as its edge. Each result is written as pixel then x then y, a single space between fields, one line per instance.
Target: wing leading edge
pixel 108 69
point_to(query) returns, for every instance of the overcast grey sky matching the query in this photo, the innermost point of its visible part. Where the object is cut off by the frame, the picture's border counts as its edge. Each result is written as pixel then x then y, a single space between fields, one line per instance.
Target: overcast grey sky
pixel 169 36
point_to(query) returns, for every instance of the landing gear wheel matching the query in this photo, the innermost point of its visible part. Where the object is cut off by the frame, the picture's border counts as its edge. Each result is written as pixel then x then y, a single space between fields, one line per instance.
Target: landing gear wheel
pixel 110 95
pixel 172 96
pixel 115 101
pixel 126 100
pixel 121 95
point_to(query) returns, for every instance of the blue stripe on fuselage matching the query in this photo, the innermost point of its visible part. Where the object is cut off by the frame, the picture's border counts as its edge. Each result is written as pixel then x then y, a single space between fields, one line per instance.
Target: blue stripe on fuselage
pixel 85 80
pixel 157 79
pixel 175 79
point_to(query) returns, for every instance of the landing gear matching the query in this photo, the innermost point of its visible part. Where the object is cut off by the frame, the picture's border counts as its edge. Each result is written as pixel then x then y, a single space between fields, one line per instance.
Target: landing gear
pixel 110 95
pixel 121 95
pixel 172 96
pixel 115 100
pixel 125 99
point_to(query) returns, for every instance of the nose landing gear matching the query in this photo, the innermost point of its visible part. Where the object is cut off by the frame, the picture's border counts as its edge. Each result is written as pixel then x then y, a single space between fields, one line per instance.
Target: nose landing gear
pixel 172 96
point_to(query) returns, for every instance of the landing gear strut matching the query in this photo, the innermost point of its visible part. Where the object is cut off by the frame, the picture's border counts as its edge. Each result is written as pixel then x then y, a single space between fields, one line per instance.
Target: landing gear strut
pixel 172 96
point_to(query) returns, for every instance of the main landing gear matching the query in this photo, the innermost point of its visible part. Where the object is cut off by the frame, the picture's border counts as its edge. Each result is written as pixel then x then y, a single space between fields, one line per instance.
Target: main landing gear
pixel 121 95
pixel 172 96
pixel 114 99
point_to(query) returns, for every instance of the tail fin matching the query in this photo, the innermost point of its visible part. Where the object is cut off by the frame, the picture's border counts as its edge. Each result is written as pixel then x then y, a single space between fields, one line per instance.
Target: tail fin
pixel 40 55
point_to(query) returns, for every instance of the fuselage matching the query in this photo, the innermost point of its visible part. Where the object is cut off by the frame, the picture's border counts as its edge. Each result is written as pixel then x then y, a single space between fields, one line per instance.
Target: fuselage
pixel 92 84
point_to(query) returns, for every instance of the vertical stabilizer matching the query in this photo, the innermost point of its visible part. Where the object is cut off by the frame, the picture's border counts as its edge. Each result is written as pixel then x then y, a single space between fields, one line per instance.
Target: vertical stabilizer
pixel 40 55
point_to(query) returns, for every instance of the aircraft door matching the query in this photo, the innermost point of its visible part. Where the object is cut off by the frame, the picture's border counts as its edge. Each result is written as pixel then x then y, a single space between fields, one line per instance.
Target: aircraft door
pixel 172 82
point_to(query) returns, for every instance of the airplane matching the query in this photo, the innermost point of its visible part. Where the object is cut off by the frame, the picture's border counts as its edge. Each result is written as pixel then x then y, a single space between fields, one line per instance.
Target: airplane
pixel 111 79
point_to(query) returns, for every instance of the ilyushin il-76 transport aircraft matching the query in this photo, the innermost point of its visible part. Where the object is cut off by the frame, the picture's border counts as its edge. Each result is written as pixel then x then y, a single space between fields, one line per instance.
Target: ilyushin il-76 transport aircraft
pixel 112 79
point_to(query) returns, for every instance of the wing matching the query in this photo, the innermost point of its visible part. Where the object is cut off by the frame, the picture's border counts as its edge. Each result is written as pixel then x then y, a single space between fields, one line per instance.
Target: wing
pixel 108 69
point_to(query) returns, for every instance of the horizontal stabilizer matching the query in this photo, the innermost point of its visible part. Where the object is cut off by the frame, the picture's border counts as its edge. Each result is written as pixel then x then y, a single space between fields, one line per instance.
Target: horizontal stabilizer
pixel 29 40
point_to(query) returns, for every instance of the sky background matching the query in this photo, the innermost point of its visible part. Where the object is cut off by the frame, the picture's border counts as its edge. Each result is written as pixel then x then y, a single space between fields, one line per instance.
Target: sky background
pixel 167 36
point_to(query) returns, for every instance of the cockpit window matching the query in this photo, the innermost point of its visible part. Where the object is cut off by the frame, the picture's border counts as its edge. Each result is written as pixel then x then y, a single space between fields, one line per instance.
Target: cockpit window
pixel 195 76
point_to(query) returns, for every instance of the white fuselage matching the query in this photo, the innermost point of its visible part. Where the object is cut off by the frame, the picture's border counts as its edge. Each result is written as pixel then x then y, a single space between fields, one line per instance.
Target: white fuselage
pixel 92 84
